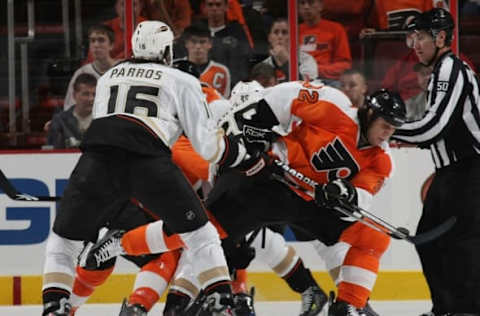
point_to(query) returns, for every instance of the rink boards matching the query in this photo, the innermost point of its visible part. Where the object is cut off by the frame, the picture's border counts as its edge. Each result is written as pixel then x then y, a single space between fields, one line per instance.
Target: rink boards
pixel 24 227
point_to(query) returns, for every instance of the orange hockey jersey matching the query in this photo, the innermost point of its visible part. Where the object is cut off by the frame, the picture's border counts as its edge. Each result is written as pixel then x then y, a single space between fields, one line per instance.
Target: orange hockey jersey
pixel 217 76
pixel 394 14
pixel 327 42
pixel 321 134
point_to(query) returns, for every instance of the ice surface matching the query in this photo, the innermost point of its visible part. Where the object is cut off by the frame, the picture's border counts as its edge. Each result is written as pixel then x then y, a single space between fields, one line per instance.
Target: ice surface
pixel 385 308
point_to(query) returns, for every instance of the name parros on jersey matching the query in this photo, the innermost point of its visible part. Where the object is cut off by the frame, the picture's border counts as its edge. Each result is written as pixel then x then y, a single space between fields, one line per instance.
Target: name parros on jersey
pixel 129 71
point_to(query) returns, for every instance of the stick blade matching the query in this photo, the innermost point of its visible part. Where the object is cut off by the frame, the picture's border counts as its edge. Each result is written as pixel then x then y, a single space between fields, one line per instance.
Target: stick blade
pixel 434 233
pixel 7 187
pixel 30 198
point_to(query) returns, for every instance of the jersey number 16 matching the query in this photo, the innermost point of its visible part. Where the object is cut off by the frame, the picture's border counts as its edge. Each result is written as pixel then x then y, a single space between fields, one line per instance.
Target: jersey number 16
pixel 138 100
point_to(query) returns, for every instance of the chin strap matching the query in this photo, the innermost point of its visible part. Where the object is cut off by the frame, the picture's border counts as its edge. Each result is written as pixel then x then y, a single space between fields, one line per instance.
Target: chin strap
pixel 433 58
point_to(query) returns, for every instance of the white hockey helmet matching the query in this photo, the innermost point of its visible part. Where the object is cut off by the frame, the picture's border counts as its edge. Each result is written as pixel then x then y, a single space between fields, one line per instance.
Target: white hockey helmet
pixel 246 88
pixel 153 40
pixel 246 93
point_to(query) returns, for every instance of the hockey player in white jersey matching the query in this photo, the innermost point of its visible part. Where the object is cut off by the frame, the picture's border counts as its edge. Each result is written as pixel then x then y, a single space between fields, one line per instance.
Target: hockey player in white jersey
pixel 141 107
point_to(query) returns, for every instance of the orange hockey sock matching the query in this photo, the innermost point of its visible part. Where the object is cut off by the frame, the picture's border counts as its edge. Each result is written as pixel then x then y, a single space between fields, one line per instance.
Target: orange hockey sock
pixel 150 239
pixel 144 296
pixel 239 284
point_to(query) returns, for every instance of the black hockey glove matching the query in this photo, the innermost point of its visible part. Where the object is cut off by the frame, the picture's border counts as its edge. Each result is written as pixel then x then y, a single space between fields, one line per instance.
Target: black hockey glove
pixel 237 157
pixel 253 122
pixel 256 164
pixel 257 139
pixel 235 152
pixel 335 193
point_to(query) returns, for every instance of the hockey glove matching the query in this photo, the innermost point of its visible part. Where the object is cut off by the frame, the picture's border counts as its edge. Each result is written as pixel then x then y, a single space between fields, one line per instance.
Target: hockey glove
pixel 235 152
pixel 257 139
pixel 335 193
pixel 237 157
pixel 254 165
pixel 253 122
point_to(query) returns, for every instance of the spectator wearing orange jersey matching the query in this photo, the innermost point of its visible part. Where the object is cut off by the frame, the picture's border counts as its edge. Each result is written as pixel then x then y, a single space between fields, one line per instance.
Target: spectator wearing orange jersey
pixel 352 14
pixel 198 43
pixel 176 13
pixel 394 15
pixel 325 40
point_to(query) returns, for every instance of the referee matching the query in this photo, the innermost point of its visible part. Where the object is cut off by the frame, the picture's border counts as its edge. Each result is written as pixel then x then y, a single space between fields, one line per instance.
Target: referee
pixel 450 128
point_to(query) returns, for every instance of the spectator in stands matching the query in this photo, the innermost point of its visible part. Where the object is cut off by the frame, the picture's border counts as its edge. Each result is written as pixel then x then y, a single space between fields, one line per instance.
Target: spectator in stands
pixel 176 13
pixel 354 85
pixel 117 25
pixel 251 22
pixel 352 14
pixel 264 74
pixel 394 15
pixel 416 105
pixel 230 43
pixel 101 41
pixel 325 40
pixel 198 43
pixel 402 78
pixel 254 25
pixel 67 127
pixel 279 54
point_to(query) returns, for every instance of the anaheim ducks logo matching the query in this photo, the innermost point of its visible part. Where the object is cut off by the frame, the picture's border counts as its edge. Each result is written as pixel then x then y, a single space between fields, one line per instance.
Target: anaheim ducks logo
pixel 336 160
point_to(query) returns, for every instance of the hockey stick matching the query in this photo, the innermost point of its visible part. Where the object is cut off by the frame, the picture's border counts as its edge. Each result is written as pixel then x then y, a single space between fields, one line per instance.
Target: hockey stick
pixel 7 187
pixel 402 232
pixel 364 216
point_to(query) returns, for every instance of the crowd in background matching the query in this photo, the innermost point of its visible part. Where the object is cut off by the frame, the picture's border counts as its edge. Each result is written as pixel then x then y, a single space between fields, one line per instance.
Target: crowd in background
pixel 225 39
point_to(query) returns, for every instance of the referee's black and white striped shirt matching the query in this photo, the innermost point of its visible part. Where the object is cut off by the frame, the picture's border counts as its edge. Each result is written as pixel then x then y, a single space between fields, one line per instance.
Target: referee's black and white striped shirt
pixel 451 124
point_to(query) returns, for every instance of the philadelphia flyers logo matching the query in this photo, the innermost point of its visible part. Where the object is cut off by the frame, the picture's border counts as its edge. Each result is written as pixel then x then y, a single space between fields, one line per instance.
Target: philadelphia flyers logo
pixel 336 160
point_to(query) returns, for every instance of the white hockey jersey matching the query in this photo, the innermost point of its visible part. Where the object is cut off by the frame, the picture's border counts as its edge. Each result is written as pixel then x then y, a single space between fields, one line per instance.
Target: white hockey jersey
pixel 165 99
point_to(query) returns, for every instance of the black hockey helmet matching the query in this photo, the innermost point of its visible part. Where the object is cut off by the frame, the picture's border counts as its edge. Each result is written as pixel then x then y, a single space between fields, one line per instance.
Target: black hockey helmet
pixel 434 21
pixel 387 105
pixel 186 66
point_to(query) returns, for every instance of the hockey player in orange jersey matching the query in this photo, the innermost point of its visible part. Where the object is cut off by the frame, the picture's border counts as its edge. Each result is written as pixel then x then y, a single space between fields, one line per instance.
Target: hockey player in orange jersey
pixel 343 149
pixel 279 256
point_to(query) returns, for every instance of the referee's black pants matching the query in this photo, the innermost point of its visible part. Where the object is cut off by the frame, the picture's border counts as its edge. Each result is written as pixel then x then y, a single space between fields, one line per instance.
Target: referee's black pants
pixel 451 263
